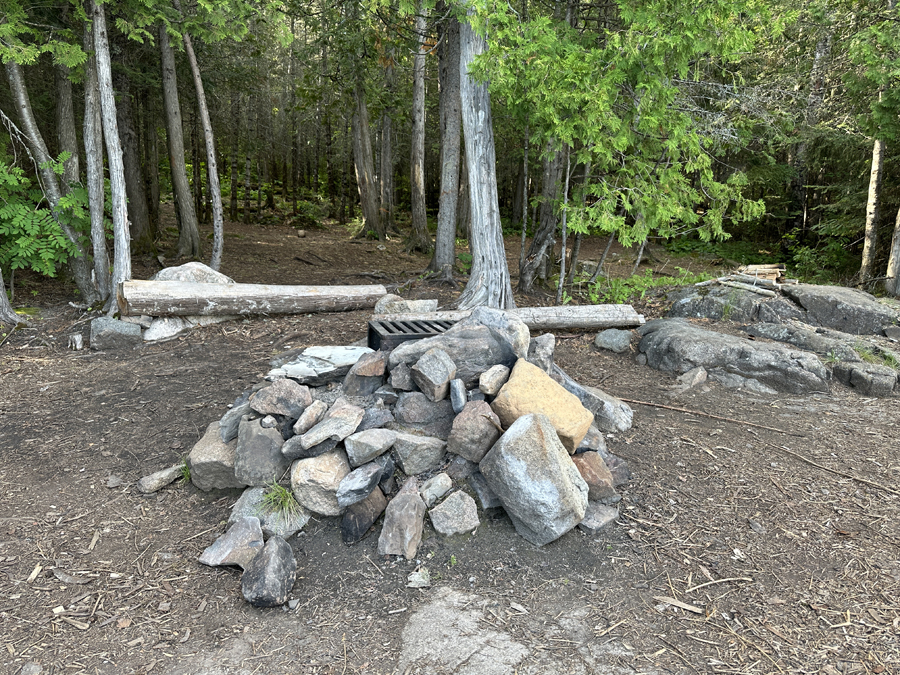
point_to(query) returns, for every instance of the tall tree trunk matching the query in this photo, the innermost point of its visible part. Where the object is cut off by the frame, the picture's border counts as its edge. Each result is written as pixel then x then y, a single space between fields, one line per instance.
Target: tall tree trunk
pixel 247 193
pixel 565 213
pixel 463 202
pixel 93 155
pixel 576 247
pixel 449 111
pixel 419 239
pixel 364 162
pixel 871 236
pixel 151 167
pixel 545 236
pixel 524 204
pixel 189 232
pixel 121 242
pixel 215 192
pixel 489 278
pixel 235 142
pixel 78 264
pixel 65 126
pixel 138 211
pixel 386 214
pixel 892 283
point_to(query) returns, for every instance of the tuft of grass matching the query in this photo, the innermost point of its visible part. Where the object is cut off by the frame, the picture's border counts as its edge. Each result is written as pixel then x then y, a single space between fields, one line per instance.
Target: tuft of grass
pixel 185 471
pixel 279 499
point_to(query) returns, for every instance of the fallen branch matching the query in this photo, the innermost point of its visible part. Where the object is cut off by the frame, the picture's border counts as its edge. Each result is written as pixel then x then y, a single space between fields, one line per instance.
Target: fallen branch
pixel 715 417
pixel 569 317
pixel 850 476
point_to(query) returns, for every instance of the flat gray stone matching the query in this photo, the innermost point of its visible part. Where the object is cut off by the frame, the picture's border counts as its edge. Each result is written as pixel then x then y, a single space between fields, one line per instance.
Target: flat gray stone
pixel 869 379
pixel 159 479
pixel 401 376
pixel 231 420
pixel 258 459
pixel 404 518
pixel 364 446
pixel 415 412
pixel 432 374
pixel 386 395
pixel 394 304
pixel 282 397
pixel 418 454
pixel 268 579
pixel 212 462
pixel 836 345
pixel 376 417
pixel 674 345
pixel 316 366
pixel 107 333
pixel 358 484
pixel 338 423
pixel 720 302
pixel 435 488
pixel 460 468
pixel 455 515
pixel 238 546
pixel 845 309
pixel 540 488
pixel 597 516
pixel 593 440
pixel 614 340
pixel 506 327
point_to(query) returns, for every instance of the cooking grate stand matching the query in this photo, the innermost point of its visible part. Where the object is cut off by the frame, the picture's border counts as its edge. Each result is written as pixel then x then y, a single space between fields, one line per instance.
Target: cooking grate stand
pixel 386 335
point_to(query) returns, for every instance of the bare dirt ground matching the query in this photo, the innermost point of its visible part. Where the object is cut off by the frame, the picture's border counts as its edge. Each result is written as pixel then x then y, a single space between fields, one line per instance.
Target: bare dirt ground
pixel 778 551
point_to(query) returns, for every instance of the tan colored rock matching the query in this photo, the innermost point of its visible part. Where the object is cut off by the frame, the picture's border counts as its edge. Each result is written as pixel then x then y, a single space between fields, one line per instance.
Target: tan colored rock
pixel 530 390
pixel 315 481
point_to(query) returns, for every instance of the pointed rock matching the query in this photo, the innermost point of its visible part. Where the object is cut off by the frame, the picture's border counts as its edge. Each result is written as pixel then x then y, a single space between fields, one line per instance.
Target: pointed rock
pixel 310 417
pixel 358 484
pixel 258 458
pixel 159 479
pixel 597 476
pixel 268 579
pixel 366 375
pixel 364 446
pixel 540 351
pixel 432 374
pixel 403 523
pixel 238 546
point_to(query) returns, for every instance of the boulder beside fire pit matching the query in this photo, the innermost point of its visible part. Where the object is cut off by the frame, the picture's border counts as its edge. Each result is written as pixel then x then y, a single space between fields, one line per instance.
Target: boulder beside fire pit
pixel 340 438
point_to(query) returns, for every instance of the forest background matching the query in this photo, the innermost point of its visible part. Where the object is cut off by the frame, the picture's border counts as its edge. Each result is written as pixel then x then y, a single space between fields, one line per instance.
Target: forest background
pixel 757 131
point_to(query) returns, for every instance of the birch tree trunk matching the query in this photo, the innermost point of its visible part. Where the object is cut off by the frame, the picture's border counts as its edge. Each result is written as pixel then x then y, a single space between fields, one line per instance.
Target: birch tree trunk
pixel 215 192
pixel 121 235
pixel 189 230
pixel 449 110
pixel 871 236
pixel 565 213
pixel 892 283
pixel 419 240
pixel 93 156
pixel 78 264
pixel 489 277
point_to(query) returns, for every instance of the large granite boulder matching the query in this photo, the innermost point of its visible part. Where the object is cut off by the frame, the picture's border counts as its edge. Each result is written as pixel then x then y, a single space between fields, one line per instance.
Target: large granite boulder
pixel 194 272
pixel 507 328
pixel 828 343
pixel 675 345
pixel 532 474
pixel 530 390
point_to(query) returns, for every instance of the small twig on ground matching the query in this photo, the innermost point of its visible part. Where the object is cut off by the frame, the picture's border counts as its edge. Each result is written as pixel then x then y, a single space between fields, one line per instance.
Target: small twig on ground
pixel 710 415
pixel 858 479
pixel 717 581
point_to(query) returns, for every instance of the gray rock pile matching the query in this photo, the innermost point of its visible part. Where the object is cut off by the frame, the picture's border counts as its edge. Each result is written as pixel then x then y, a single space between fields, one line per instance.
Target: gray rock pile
pixel 470 418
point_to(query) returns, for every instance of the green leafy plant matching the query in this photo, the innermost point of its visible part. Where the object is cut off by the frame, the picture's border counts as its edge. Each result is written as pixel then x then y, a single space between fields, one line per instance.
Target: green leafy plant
pixel 453 561
pixel 185 471
pixel 614 290
pixel 464 262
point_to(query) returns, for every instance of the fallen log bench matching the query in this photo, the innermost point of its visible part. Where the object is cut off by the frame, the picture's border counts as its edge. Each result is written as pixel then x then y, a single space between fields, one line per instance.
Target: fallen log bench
pixel 568 317
pixel 182 298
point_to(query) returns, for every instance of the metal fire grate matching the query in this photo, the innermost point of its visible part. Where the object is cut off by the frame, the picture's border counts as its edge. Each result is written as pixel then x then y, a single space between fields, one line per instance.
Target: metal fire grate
pixel 385 335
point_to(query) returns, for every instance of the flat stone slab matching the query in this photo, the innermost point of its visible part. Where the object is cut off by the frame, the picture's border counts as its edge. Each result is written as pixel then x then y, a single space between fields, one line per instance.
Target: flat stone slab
pixel 845 309
pixel 455 515
pixel 675 345
pixel 238 546
pixel 107 333
pixel 830 343
pixel 316 366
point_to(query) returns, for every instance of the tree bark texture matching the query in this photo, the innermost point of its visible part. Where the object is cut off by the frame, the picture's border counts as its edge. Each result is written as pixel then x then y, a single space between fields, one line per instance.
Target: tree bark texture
pixel 419 239
pixel 93 156
pixel 489 282
pixel 177 298
pixel 8 316
pixel 138 211
pixel 235 142
pixel 151 167
pixel 871 236
pixel 364 162
pixel 449 111
pixel 586 317
pixel 892 283
pixel 565 214
pixel 189 230
pixel 386 177
pixel 545 236
pixel 215 192
pixel 121 235
pixel 65 126
pixel 78 264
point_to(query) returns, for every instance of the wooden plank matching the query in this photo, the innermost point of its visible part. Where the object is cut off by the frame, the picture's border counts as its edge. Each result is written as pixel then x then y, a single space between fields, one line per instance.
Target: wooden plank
pixel 178 298
pixel 568 317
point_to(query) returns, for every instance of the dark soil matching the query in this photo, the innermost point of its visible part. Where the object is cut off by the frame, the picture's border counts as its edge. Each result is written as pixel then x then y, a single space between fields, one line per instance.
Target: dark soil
pixel 786 543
